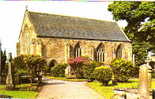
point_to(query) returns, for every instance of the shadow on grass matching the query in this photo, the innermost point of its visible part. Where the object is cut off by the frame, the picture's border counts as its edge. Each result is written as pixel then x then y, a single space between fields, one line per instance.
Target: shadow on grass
pixel 116 84
pixel 127 81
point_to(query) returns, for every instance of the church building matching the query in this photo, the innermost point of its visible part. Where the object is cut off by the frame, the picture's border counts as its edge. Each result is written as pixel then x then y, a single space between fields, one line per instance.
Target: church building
pixel 58 38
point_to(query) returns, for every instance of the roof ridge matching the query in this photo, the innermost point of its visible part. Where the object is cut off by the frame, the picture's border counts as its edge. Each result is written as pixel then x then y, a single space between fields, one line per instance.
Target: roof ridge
pixel 72 16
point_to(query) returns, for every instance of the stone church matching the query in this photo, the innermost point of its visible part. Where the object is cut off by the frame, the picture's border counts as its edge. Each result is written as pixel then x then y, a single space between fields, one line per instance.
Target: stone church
pixel 58 38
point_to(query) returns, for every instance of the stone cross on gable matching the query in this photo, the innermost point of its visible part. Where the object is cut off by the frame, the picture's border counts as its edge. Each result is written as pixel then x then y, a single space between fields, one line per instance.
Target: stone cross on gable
pixel 26 7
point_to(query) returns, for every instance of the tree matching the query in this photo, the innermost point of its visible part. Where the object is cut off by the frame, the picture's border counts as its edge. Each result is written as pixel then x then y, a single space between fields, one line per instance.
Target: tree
pixel 140 17
pixel 18 68
pixel 3 66
pixel 31 65
pixel 38 66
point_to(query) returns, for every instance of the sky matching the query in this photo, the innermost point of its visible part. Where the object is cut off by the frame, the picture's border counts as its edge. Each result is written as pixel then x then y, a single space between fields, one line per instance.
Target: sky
pixel 12 13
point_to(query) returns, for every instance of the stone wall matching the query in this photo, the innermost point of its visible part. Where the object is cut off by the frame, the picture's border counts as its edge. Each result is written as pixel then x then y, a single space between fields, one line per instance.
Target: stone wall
pixel 58 49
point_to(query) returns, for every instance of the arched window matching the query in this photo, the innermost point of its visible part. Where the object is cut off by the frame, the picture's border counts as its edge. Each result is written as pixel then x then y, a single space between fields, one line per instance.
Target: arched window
pixel 119 51
pixel 77 50
pixel 99 53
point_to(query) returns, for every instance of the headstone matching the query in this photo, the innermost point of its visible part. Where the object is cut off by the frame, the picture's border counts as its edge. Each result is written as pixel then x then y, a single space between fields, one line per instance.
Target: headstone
pixel 144 81
pixel 68 71
pixel 9 81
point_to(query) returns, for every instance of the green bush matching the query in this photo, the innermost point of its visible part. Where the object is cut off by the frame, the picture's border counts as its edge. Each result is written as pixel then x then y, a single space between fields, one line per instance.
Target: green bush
pixel 122 70
pixel 153 75
pixel 103 74
pixel 88 70
pixel 58 70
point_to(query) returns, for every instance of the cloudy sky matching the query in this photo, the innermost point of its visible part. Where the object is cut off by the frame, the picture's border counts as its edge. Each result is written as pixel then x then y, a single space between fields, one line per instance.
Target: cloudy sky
pixel 12 15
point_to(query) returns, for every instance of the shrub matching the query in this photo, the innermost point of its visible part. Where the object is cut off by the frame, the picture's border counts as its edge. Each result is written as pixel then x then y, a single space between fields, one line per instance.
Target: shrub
pixel 88 70
pixel 103 74
pixel 58 70
pixel 122 70
pixel 77 64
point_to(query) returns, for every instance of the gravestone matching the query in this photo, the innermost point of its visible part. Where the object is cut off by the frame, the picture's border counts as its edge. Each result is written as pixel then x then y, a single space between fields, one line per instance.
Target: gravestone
pixel 145 81
pixel 9 81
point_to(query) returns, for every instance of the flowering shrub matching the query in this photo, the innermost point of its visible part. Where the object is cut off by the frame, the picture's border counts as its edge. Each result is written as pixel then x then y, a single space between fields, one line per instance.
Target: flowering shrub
pixel 77 60
pixel 76 65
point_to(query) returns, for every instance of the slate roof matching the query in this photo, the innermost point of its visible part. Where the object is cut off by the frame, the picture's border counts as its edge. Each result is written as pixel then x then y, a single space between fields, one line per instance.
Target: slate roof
pixel 59 26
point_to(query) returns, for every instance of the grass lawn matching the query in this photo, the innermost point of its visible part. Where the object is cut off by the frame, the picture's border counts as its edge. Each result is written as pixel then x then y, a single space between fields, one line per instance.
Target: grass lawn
pixel 20 93
pixel 107 91
pixel 67 79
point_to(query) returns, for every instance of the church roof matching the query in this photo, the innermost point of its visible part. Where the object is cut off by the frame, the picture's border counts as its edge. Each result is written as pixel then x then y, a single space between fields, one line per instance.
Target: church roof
pixel 69 27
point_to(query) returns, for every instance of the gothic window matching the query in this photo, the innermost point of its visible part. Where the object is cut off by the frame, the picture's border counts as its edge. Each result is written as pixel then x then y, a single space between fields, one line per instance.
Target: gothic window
pixel 77 50
pixel 99 53
pixel 119 51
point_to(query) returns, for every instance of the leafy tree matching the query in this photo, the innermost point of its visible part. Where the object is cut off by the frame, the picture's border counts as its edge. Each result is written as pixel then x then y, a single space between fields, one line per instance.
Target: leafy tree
pixel 3 66
pixel 31 65
pixel 18 68
pixel 140 17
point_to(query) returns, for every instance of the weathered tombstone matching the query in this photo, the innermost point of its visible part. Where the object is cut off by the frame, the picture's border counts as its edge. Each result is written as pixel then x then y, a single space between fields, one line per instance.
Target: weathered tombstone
pixel 68 71
pixel 145 81
pixel 9 81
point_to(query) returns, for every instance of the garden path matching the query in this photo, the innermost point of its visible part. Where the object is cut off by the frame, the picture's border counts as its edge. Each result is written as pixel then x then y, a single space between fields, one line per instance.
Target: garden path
pixel 58 89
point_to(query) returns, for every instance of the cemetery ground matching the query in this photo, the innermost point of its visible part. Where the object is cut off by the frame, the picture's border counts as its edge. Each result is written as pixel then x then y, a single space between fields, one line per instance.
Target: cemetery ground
pixel 21 91
pixel 107 91
pixel 29 91
pixel 25 91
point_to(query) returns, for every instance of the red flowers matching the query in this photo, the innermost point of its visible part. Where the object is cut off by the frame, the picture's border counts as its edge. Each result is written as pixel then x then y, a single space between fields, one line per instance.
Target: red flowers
pixel 77 60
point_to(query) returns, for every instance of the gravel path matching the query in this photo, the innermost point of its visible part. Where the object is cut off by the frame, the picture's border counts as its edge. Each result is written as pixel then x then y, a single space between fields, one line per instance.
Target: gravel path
pixel 57 89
